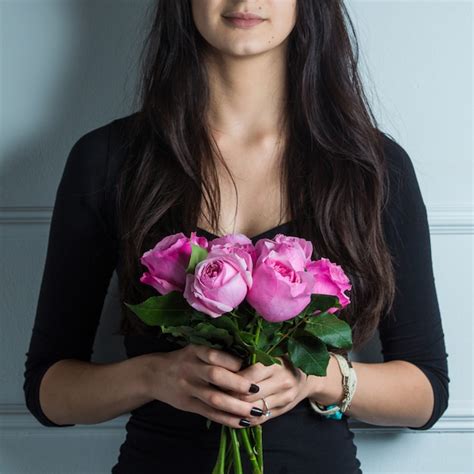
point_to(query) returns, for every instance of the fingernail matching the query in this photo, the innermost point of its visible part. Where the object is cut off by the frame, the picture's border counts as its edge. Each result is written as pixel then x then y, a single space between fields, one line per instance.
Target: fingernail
pixel 244 422
pixel 255 411
pixel 254 388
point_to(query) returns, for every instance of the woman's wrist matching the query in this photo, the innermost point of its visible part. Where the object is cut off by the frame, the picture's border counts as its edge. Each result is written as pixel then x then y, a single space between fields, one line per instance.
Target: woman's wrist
pixel 327 390
pixel 149 370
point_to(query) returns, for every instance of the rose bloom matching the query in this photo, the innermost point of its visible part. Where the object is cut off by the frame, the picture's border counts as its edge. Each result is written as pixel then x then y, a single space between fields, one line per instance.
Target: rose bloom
pixel 168 260
pixel 330 279
pixel 219 284
pixel 238 244
pixel 281 286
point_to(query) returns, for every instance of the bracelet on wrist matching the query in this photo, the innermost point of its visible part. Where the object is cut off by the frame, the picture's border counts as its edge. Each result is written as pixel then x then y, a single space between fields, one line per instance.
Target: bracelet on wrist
pixel 349 383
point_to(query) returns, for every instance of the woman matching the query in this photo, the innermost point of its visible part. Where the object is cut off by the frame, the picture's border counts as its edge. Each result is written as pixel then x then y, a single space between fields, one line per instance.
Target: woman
pixel 273 109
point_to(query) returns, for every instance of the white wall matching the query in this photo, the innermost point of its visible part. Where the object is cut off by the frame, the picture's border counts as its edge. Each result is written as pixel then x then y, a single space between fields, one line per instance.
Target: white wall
pixel 67 66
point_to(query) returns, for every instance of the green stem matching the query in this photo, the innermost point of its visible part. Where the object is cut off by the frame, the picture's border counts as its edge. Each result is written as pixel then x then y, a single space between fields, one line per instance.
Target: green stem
pixel 257 337
pixel 257 430
pixel 259 445
pixel 289 333
pixel 253 460
pixel 220 464
pixel 254 434
pixel 229 458
pixel 236 451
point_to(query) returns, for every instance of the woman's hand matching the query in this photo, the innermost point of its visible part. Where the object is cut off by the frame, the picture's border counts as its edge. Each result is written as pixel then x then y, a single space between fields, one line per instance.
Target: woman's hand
pixel 198 379
pixel 283 386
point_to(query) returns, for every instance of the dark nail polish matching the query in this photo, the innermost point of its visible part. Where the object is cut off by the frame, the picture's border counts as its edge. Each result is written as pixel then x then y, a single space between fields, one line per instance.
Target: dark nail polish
pixel 254 388
pixel 244 422
pixel 255 411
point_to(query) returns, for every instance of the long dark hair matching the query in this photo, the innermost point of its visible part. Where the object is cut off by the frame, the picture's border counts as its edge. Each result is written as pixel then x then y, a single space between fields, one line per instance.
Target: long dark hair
pixel 333 168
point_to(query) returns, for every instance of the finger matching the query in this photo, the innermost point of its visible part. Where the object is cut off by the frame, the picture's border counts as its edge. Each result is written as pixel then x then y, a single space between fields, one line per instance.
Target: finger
pixel 277 404
pixel 217 357
pixel 276 383
pixel 226 380
pixel 275 412
pixel 258 372
pixel 222 417
pixel 223 401
pixel 282 400
pixel 267 387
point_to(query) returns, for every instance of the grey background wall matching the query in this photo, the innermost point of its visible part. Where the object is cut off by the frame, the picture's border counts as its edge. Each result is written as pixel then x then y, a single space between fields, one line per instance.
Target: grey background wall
pixel 68 66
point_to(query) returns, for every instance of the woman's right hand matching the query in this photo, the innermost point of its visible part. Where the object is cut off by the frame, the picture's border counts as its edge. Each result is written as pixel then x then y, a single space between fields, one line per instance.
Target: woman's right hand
pixel 196 378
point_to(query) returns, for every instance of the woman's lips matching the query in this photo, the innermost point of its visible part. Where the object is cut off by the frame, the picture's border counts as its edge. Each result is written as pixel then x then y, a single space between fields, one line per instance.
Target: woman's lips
pixel 244 22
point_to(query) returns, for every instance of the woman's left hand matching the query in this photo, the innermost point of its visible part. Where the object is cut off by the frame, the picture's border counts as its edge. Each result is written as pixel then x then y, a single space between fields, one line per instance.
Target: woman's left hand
pixel 283 386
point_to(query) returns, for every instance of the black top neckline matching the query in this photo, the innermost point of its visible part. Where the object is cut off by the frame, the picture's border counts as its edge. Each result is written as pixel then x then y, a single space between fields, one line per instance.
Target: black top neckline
pixel 263 234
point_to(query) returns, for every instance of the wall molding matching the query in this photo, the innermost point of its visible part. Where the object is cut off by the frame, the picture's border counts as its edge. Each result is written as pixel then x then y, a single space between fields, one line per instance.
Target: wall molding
pixel 442 218
pixel 12 215
pixel 15 419
pixel 451 219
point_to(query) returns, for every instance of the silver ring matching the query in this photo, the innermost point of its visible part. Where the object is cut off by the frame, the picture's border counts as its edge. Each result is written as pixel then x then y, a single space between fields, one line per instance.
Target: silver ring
pixel 267 411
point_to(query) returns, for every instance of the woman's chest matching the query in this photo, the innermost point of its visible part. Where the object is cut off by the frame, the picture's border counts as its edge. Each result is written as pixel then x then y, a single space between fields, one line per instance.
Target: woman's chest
pixel 253 200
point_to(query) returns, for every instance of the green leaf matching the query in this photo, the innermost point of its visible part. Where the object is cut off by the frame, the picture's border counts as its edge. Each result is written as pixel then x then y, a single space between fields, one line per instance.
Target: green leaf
pixel 167 310
pixel 239 351
pixel 224 322
pixel 195 339
pixel 331 330
pixel 247 337
pixel 203 334
pixel 322 303
pixel 213 334
pixel 265 358
pixel 281 349
pixel 197 254
pixel 240 337
pixel 198 315
pixel 178 331
pixel 279 346
pixel 269 334
pixel 309 354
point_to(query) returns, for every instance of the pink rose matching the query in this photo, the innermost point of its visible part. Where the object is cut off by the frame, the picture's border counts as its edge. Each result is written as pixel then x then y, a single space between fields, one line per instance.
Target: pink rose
pixel 281 287
pixel 168 260
pixel 238 244
pixel 306 246
pixel 330 279
pixel 219 284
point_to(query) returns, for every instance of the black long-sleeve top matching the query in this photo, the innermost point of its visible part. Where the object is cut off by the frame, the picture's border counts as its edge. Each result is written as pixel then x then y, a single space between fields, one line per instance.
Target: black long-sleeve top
pixel 82 254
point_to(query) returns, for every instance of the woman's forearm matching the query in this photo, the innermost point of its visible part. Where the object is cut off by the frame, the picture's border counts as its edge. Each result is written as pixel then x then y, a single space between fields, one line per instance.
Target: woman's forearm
pixel 74 391
pixel 394 393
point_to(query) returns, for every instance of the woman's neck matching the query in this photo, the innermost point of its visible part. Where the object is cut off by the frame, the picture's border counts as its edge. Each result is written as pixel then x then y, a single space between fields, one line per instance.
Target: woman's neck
pixel 247 95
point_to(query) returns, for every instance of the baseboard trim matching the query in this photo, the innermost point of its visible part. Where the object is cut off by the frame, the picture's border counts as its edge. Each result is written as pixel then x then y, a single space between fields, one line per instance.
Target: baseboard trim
pixel 16 420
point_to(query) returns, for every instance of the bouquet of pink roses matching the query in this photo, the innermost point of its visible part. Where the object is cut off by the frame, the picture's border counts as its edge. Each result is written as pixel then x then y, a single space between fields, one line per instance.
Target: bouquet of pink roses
pixel 259 302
